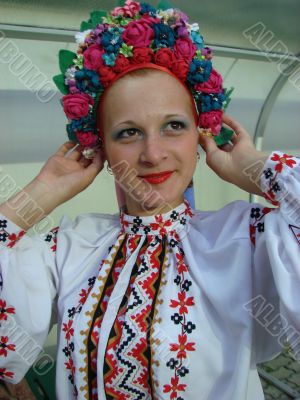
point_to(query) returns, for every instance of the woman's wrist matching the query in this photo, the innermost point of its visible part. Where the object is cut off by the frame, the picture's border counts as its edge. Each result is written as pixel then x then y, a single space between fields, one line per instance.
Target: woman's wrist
pixel 30 205
pixel 247 176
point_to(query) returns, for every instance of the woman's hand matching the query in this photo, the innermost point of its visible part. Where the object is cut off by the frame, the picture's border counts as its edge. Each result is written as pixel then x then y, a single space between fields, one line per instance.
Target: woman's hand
pixel 68 173
pixel 62 177
pixel 238 163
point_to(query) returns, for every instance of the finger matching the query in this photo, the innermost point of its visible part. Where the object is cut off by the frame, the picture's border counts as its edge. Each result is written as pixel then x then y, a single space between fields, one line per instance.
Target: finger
pixel 65 148
pixel 226 147
pixel 207 143
pixel 96 165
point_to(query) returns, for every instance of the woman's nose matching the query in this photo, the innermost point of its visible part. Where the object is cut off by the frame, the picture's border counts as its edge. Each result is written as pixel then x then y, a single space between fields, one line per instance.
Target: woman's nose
pixel 153 151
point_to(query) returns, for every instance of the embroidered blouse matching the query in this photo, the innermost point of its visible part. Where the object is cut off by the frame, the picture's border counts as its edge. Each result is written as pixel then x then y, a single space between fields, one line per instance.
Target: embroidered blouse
pixel 180 305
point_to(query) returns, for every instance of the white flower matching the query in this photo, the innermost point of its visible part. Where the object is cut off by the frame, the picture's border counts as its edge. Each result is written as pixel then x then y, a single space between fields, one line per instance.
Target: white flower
pixel 193 27
pixel 89 153
pixel 81 36
pixel 70 73
pixel 166 14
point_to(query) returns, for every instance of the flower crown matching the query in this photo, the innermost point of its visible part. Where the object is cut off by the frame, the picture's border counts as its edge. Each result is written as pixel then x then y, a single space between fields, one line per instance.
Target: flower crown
pixel 135 34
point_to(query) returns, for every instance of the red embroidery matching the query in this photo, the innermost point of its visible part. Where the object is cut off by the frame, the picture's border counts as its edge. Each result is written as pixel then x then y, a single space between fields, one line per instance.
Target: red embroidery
pixel 257 221
pixel 183 303
pixel 182 346
pixel 283 160
pixel 4 346
pixel 5 310
pixel 6 374
pixel 13 238
pixel 174 387
pixel 295 230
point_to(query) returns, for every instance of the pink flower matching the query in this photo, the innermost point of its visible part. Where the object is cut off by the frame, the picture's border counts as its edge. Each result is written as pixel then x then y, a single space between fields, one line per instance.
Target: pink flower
pixel 184 48
pixel 130 9
pixel 92 57
pixel 87 138
pixel 212 85
pixel 212 120
pixel 76 106
pixel 138 33
pixel 107 74
pixel 180 68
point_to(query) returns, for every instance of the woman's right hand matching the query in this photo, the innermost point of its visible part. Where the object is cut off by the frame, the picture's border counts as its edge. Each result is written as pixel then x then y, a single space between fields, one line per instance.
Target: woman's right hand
pixel 61 178
pixel 67 174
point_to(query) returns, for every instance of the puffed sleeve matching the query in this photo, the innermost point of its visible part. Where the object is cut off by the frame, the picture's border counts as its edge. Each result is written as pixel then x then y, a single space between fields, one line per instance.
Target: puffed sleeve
pixel 28 289
pixel 275 236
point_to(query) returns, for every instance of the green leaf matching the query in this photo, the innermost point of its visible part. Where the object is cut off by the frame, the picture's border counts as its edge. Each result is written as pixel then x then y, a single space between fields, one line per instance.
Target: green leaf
pixel 85 25
pixel 96 17
pixel 164 5
pixel 66 59
pixel 227 93
pixel 122 3
pixel 59 81
pixel 224 136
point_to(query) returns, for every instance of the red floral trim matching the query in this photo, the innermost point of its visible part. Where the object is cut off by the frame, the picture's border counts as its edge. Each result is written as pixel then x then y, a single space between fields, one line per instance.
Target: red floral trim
pixel 257 221
pixel 272 186
pixel 6 374
pixel 183 303
pixel 51 238
pixel 4 310
pixel 4 346
pixel 14 238
pixel 283 160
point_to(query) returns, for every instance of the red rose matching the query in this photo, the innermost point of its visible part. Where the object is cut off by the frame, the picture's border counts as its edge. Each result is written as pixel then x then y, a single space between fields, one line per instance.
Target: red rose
pixel 164 57
pixel 142 55
pixel 86 138
pixel 180 68
pixel 106 75
pixel 76 106
pixel 212 120
pixel 212 85
pixel 92 57
pixel 184 48
pixel 138 33
pixel 121 63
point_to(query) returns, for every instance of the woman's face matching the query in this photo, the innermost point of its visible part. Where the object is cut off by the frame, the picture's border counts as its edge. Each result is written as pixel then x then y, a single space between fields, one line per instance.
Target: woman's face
pixel 149 128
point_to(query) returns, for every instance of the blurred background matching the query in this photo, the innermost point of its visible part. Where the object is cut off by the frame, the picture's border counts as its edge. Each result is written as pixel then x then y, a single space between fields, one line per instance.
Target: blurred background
pixel 256 45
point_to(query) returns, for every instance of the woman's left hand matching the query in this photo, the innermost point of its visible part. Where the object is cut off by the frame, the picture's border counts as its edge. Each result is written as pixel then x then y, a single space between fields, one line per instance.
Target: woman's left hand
pixel 238 163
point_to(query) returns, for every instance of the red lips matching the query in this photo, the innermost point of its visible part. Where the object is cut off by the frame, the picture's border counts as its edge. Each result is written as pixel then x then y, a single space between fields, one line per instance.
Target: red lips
pixel 157 178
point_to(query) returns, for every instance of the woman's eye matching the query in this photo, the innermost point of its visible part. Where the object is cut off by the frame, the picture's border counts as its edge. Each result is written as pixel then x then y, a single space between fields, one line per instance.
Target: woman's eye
pixel 176 125
pixel 126 133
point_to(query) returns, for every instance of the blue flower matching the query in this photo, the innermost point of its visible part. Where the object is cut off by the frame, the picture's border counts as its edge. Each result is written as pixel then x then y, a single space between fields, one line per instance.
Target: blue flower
pixel 87 80
pixel 211 102
pixel 147 9
pixel 163 36
pixel 197 39
pixel 109 59
pixel 112 40
pixel 199 71
pixel 85 124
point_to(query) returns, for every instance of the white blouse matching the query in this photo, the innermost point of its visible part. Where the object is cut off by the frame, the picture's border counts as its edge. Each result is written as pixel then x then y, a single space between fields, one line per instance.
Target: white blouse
pixel 181 305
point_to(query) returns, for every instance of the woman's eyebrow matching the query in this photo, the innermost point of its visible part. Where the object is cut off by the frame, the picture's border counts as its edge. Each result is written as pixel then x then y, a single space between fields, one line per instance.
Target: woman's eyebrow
pixel 129 121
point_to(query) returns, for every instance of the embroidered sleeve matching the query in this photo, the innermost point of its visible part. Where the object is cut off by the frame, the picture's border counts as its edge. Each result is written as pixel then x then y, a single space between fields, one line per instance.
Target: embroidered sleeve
pixel 28 281
pixel 280 183
pixel 9 232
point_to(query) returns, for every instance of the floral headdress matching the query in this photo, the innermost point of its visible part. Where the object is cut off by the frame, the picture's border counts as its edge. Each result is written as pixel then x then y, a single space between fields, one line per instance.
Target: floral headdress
pixel 130 37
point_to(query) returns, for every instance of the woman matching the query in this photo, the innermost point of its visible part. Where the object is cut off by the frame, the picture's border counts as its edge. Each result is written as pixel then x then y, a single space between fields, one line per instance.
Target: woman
pixel 162 301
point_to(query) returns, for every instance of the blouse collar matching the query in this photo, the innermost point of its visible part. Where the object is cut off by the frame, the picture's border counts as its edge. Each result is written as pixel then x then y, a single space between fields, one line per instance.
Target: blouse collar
pixel 160 224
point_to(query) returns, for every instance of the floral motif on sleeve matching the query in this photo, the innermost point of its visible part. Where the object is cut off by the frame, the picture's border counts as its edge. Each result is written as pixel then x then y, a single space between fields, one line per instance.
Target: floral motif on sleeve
pixel 9 236
pixel 4 374
pixel 276 164
pixel 51 238
pixel 257 223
